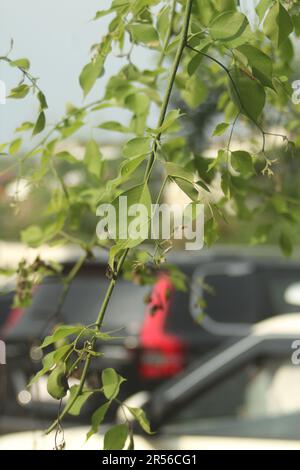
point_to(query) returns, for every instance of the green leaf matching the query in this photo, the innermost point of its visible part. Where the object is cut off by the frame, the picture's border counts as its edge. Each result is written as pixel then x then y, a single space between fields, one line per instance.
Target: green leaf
pixel 97 418
pixel 32 235
pixel 57 384
pixel 296 20
pixel 226 184
pixel 261 234
pixel 137 195
pixel 113 126
pixel 141 418
pixel 62 332
pixel 169 121
pixel 286 244
pixel 261 64
pixel 194 63
pixel 228 25
pixel 19 92
pixel 222 156
pixel 205 11
pixel 221 129
pixel 278 24
pixel 21 63
pixel 262 8
pixel 80 400
pixel 138 124
pixel 279 204
pixel 111 382
pixel 138 103
pixel 197 59
pixel 286 51
pixel 25 126
pixel 172 45
pixel 163 21
pixel 40 124
pixel 66 156
pixel 178 279
pixel 42 100
pixel 70 129
pixel 137 146
pixel 187 187
pixel 93 158
pixel 223 5
pixel 242 162
pixel 177 171
pixel 61 352
pixel 144 33
pixel 211 232
pixel 128 167
pixel 90 73
pixel 101 13
pixel 195 92
pixel 248 94
pixel 115 438
pixel 15 146
pixel 48 362
pixel 105 336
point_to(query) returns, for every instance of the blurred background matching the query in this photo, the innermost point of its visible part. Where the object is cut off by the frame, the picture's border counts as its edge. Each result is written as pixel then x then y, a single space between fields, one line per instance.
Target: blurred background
pixel 195 350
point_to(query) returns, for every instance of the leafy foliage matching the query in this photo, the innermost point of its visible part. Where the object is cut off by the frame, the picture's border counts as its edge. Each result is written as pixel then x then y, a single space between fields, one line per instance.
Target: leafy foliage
pixel 202 47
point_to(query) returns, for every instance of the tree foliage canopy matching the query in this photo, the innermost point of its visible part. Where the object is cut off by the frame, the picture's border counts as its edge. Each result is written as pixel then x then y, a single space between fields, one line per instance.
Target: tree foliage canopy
pixel 203 47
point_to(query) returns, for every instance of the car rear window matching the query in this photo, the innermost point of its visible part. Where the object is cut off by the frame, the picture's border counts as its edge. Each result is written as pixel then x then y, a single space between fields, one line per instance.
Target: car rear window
pixel 82 304
pixel 248 298
pixel 278 285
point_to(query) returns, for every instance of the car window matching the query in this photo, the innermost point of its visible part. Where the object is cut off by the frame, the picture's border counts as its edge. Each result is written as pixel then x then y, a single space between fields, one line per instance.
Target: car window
pixel 284 294
pixel 82 304
pixel 235 295
pixel 245 296
pixel 264 391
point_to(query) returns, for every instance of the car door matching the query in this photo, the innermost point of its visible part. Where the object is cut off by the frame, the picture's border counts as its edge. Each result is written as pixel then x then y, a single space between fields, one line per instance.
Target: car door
pixel 257 403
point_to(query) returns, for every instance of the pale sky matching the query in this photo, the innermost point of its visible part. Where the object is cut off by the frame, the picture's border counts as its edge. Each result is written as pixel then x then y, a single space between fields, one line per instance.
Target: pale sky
pixel 56 36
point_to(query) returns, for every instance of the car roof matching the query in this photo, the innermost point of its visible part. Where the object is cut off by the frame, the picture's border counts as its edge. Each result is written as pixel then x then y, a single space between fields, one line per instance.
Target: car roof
pixel 281 325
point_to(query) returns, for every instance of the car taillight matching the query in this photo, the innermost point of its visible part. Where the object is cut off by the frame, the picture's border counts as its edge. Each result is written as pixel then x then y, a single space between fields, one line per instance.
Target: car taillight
pixel 162 354
pixel 12 320
pixel 160 364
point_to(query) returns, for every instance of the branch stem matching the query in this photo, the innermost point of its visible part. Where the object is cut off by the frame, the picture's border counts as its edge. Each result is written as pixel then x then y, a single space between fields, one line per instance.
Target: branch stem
pixel 169 88
pixel 162 115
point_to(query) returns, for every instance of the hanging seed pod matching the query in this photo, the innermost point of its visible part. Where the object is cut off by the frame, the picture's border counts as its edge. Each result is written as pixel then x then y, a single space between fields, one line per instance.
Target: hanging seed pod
pixel 57 384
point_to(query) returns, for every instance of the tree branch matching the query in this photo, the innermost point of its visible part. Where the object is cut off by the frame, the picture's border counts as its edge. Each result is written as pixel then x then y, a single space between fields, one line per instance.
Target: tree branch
pixel 162 115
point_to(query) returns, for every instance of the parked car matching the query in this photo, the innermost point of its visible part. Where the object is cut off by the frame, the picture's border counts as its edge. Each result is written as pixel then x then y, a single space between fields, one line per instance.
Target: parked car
pixel 25 330
pixel 244 396
pixel 249 389
pixel 227 293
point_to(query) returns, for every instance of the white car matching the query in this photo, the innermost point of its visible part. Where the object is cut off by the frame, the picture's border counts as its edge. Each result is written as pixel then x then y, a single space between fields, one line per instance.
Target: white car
pixel 244 396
